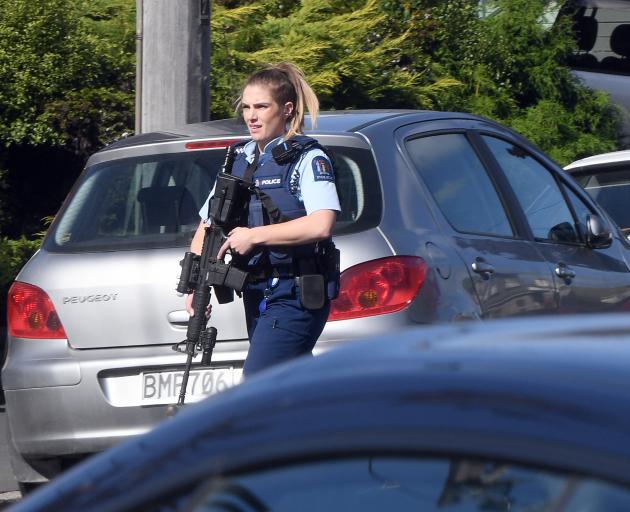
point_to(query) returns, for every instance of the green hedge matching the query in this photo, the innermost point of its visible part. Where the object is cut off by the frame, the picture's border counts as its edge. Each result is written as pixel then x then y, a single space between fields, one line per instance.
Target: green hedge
pixel 13 255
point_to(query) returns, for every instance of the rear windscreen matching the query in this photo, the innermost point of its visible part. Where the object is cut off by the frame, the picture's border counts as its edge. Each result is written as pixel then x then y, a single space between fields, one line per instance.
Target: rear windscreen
pixel 602 32
pixel 153 201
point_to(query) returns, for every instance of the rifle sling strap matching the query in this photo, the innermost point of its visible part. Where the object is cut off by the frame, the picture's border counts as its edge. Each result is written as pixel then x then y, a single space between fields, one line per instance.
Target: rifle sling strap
pixel 274 213
pixel 251 168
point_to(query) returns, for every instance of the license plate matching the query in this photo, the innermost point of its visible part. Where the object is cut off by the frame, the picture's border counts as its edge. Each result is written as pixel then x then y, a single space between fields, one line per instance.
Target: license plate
pixel 164 387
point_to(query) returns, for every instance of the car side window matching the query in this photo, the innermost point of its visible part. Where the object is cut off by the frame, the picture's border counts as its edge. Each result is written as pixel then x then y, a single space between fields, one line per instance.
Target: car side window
pixel 460 184
pixel 537 192
pixel 356 178
pixel 377 483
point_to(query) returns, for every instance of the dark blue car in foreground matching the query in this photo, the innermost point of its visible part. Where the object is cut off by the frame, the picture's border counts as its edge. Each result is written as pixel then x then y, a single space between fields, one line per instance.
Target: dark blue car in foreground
pixel 516 415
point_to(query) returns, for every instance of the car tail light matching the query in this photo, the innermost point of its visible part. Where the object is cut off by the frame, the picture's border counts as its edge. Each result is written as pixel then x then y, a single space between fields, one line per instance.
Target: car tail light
pixel 31 313
pixel 378 287
pixel 210 144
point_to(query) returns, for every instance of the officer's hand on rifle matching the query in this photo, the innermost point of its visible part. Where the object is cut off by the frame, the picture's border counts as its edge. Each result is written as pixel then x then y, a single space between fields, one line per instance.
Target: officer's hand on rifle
pixel 239 240
pixel 191 311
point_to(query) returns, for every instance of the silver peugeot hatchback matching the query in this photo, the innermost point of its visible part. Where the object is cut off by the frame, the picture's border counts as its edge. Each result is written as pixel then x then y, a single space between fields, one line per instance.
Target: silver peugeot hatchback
pixel 445 217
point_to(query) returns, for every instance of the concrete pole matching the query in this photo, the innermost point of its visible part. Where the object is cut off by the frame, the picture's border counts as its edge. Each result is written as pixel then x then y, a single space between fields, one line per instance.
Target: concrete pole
pixel 174 63
pixel 139 36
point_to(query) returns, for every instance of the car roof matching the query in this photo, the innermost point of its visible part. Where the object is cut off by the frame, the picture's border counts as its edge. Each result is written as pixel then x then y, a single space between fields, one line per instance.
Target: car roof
pixel 551 391
pixel 338 121
pixel 602 159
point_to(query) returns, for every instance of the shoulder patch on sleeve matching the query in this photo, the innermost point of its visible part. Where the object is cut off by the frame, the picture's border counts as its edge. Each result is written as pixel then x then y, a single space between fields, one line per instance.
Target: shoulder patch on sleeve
pixel 322 171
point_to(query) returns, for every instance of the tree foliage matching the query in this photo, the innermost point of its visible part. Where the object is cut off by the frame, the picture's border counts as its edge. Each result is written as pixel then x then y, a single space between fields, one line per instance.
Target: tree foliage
pixel 427 54
pixel 50 50
pixel 514 70
pixel 341 45
pixel 66 89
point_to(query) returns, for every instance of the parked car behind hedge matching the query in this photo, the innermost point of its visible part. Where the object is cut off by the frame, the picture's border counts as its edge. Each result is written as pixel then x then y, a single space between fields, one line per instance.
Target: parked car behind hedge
pixel 602 59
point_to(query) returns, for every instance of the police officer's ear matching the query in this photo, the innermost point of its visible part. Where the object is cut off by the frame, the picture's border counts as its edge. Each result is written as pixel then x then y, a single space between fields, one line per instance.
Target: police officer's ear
pixel 288 110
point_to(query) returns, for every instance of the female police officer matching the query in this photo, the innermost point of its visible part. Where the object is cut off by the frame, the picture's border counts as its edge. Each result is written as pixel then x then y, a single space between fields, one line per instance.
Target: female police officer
pixel 286 312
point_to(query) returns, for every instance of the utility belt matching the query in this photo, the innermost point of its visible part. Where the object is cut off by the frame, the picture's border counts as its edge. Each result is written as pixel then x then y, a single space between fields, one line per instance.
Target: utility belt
pixel 316 277
pixel 268 272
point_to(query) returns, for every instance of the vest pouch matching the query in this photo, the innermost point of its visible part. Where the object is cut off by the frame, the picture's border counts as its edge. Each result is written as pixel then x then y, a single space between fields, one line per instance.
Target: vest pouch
pixel 226 206
pixel 311 290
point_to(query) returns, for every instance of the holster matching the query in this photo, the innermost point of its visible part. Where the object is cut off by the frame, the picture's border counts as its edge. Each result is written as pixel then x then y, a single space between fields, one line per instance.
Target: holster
pixel 318 278
pixel 329 259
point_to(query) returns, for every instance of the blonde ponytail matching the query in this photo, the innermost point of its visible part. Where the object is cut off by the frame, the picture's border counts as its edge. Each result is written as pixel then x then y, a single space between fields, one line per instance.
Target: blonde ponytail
pixel 306 99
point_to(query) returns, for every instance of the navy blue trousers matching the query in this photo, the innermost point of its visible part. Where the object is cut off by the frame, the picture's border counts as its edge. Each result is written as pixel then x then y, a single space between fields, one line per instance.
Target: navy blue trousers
pixel 281 330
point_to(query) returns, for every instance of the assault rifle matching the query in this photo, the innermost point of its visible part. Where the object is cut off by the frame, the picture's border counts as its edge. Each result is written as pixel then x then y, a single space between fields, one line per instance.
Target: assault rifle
pixel 201 273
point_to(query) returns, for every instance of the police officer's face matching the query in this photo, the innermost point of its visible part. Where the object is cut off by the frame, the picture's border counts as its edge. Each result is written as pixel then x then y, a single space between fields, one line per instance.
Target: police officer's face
pixel 265 118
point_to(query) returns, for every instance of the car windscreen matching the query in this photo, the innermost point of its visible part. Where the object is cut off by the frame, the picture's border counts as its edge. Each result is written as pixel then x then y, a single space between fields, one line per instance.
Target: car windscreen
pixel 611 189
pixel 153 201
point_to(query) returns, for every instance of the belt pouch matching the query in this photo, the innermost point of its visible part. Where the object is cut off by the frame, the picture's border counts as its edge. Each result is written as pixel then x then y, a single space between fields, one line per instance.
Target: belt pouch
pixel 312 290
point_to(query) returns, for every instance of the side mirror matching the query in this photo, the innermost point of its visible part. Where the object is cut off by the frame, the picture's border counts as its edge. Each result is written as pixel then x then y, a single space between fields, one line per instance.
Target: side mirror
pixel 598 236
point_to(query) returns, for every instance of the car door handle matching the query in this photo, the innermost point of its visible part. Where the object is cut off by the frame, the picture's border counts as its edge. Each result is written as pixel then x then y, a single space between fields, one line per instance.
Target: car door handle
pixel 480 266
pixel 564 272
pixel 178 318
